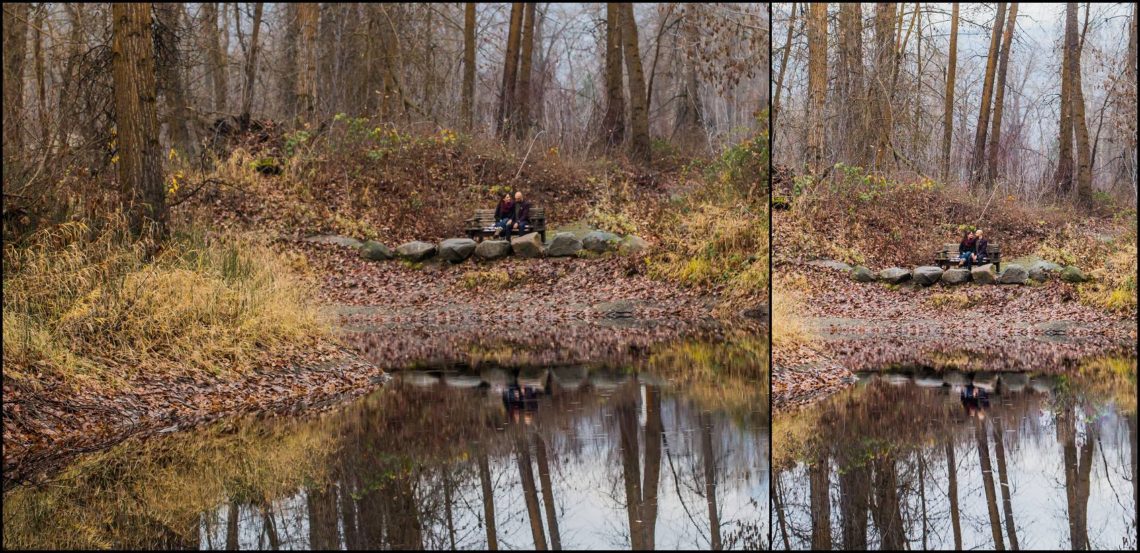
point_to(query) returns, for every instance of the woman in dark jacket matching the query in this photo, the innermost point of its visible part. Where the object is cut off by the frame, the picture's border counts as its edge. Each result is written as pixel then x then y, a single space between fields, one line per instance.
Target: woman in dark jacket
pixel 503 213
pixel 966 247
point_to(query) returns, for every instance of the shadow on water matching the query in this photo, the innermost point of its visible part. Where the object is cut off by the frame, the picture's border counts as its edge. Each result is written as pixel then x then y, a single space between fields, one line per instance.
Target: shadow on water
pixel 950 460
pixel 455 457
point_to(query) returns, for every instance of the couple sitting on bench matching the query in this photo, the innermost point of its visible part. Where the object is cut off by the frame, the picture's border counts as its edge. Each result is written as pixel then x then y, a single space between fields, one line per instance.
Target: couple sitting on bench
pixel 512 215
pixel 973 249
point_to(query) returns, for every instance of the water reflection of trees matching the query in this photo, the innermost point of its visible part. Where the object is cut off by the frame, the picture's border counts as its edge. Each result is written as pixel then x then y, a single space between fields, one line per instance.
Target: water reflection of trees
pixel 904 466
pixel 441 467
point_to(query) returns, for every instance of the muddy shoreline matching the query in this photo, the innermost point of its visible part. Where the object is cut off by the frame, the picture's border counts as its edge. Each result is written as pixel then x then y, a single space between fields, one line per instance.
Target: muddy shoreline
pixel 388 316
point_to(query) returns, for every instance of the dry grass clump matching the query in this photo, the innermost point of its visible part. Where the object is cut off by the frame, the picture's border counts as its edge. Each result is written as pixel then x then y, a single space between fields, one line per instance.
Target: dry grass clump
pixel 85 301
pixel 494 279
pixel 1111 263
pixel 788 328
pixel 954 301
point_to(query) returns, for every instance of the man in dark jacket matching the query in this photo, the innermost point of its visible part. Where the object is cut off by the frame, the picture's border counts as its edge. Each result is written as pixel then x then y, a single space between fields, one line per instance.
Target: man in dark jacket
pixel 521 216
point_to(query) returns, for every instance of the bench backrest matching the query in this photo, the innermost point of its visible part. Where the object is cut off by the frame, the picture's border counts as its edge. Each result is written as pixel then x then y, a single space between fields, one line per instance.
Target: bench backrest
pixel 994 249
pixel 486 218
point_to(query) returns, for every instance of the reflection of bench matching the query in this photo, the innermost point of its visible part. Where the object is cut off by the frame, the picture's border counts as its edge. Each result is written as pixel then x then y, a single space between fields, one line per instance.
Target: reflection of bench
pixel 948 256
pixel 482 224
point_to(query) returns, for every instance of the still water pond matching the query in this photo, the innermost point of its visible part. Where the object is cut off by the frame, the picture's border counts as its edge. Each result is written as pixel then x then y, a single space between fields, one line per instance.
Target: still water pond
pixel 962 461
pixel 564 457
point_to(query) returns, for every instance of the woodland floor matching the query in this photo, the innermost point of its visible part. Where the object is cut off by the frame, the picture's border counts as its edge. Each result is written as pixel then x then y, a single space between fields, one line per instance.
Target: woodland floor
pixel 870 326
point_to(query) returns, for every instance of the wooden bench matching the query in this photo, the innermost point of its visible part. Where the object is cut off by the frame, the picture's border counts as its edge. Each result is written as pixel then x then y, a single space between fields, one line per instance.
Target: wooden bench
pixel 948 256
pixel 482 224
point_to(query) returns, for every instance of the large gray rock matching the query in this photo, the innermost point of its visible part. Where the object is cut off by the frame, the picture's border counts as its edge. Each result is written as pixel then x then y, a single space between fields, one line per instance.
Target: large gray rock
pixel 1041 270
pixel 1072 274
pixel 493 249
pixel 1013 274
pixel 830 264
pixel 633 245
pixel 375 251
pixel 600 241
pixel 563 244
pixel 416 251
pixel 955 276
pixel 527 245
pixel 456 249
pixel 927 275
pixel 862 274
pixel 894 275
pixel 983 274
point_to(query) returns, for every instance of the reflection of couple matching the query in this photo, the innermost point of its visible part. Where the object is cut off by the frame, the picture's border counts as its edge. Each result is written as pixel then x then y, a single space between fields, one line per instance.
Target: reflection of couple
pixel 511 215
pixel 973 249
pixel 975 400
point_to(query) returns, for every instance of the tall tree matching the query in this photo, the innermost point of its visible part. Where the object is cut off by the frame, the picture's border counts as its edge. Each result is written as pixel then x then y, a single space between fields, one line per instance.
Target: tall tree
pixel 613 124
pixel 850 82
pixel 308 14
pixel 178 119
pixel 15 55
pixel 287 88
pixel 504 123
pixel 948 110
pixel 251 64
pixel 217 66
pixel 1003 63
pixel 817 83
pixel 523 123
pixel 638 111
pixel 882 114
pixel 1077 110
pixel 467 108
pixel 136 117
pixel 977 166
pixel 784 64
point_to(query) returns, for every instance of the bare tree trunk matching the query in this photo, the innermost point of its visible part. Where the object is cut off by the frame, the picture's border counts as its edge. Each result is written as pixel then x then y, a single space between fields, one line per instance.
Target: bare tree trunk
pixel 504 123
pixel 783 65
pixel 523 124
pixel 547 492
pixel 178 117
pixel 613 125
pixel 853 124
pixel 15 54
pixel 287 89
pixel 1077 97
pixel 217 71
pixel 708 460
pixel 999 98
pixel 251 65
pixel 885 59
pixel 136 118
pixel 817 84
pixel 468 102
pixel 853 487
pixel 948 111
pixel 307 15
pixel 638 112
pixel 978 166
